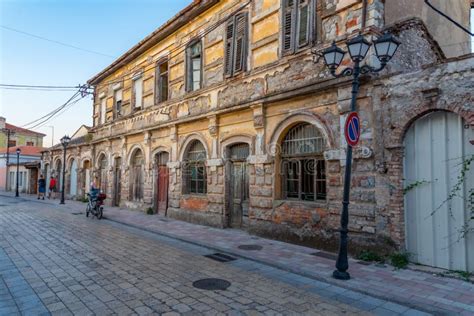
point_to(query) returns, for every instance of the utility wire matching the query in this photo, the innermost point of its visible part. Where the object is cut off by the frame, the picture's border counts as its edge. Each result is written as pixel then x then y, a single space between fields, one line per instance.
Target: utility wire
pixel 35 86
pixel 180 48
pixel 36 89
pixel 448 18
pixel 53 111
pixel 41 124
pixel 54 41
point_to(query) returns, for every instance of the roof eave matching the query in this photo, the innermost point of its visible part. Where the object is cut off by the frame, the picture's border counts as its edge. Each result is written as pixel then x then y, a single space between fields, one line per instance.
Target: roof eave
pixel 180 19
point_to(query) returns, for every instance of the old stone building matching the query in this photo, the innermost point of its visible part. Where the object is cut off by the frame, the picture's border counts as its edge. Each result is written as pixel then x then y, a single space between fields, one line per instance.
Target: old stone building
pixel 223 117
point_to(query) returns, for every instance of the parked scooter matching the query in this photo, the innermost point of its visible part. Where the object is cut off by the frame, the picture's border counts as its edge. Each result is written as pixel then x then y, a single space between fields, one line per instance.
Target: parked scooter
pixel 95 204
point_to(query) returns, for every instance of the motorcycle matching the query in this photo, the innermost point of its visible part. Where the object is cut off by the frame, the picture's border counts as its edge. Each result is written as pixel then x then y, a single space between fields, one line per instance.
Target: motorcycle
pixel 95 205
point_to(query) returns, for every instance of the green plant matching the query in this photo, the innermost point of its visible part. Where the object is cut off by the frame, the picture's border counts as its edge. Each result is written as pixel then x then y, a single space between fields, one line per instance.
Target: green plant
pixel 399 259
pixel 466 275
pixel 371 256
pixel 149 211
pixel 413 185
pixel 83 200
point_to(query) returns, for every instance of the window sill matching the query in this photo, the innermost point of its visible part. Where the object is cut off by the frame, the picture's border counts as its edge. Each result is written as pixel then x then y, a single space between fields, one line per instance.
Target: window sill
pixel 310 204
pixel 202 196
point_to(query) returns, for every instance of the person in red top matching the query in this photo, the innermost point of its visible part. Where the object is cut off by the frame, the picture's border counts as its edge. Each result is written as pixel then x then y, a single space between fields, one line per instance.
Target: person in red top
pixel 52 188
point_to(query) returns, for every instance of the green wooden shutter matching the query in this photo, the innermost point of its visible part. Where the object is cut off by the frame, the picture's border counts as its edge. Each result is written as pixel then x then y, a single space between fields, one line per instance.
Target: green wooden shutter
pixel 229 48
pixel 240 48
pixel 288 28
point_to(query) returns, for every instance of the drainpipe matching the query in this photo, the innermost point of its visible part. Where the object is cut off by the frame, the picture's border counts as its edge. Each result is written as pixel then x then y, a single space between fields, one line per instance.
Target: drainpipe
pixel 364 14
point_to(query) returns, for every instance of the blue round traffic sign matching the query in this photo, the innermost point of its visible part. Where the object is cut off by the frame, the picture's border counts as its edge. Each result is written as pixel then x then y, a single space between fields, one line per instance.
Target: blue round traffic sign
pixel 352 129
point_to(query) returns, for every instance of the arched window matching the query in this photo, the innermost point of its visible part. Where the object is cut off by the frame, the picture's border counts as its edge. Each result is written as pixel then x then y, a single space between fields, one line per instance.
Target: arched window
pixel 103 173
pixel 303 165
pixel 136 177
pixel 194 171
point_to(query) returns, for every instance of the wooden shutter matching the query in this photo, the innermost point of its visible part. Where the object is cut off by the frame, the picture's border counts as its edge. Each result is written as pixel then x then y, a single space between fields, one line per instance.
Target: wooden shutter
pixel 240 42
pixel 303 22
pixel 289 10
pixel 229 47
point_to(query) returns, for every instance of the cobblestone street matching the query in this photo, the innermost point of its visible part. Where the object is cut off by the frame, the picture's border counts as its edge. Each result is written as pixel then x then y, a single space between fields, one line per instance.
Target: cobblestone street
pixel 60 262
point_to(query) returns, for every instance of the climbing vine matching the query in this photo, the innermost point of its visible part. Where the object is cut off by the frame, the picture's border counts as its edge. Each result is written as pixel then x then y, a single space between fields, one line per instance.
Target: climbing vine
pixel 414 185
pixel 457 191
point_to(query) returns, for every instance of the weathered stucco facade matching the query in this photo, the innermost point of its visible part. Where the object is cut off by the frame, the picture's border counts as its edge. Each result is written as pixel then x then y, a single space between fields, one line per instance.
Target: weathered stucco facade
pixel 258 107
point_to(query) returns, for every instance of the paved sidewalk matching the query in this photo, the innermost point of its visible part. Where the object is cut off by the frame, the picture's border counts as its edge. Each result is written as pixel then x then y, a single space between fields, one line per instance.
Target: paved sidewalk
pixel 419 290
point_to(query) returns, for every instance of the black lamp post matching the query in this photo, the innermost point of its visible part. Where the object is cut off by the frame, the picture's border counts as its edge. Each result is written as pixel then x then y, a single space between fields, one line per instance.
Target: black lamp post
pixel 64 141
pixel 385 48
pixel 18 152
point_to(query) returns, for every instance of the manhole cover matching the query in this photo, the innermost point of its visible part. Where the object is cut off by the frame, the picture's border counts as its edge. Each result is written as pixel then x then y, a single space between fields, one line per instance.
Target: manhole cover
pixel 77 213
pixel 211 284
pixel 250 247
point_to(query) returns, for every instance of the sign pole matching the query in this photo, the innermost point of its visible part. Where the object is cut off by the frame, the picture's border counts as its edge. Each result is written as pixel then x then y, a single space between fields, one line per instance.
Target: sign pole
pixel 342 263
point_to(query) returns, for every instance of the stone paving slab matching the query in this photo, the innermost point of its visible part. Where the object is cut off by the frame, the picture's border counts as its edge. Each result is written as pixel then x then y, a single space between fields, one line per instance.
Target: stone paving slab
pixel 134 272
pixel 409 288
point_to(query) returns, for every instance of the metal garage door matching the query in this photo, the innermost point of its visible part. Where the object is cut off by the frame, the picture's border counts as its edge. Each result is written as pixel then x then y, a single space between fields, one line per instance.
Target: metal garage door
pixel 435 147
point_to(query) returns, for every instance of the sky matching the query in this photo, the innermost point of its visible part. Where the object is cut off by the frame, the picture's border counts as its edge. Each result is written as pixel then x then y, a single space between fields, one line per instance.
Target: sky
pixel 110 27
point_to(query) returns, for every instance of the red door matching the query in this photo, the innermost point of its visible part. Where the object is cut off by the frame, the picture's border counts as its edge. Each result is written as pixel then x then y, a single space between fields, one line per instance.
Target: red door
pixel 162 191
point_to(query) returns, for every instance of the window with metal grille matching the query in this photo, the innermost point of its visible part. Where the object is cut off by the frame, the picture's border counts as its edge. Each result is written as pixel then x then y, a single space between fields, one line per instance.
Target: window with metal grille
pixel 162 81
pixel 194 66
pixel 236 44
pixel 30 143
pixel 239 151
pixel 136 177
pixel 298 24
pixel 194 171
pixel 303 165
pixel 11 143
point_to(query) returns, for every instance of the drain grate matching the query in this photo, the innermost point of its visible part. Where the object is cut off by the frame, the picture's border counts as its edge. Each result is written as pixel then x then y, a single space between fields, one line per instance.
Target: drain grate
pixel 326 255
pixel 211 284
pixel 250 247
pixel 77 213
pixel 220 257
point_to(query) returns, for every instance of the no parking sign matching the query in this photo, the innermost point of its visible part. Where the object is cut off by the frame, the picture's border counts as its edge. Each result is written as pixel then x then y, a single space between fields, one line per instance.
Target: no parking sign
pixel 352 129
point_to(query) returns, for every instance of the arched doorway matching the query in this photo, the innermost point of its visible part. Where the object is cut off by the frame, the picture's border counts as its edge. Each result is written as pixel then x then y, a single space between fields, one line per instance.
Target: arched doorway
pixel 435 147
pixel 136 176
pixel 238 184
pixel 86 169
pixel 58 175
pixel 103 172
pixel 73 178
pixel 117 179
pixel 162 178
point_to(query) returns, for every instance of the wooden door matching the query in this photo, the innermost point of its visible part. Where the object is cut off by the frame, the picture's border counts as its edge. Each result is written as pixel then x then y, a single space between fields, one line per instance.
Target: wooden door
pixel 435 147
pixel 239 185
pixel 117 179
pixel 162 189
pixel 162 178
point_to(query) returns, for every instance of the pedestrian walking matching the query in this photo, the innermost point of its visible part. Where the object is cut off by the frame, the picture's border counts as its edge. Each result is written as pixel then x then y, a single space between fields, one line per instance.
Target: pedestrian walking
pixel 41 187
pixel 52 188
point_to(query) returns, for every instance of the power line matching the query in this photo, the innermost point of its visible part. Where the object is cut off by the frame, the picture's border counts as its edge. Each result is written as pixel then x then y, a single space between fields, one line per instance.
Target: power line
pixel 53 111
pixel 36 86
pixel 449 18
pixel 39 125
pixel 54 41
pixel 36 89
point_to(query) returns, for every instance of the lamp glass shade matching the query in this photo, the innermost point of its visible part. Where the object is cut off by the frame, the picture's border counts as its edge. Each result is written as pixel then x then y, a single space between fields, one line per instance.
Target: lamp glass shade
pixel 18 151
pixel 358 47
pixel 385 47
pixel 65 140
pixel 333 56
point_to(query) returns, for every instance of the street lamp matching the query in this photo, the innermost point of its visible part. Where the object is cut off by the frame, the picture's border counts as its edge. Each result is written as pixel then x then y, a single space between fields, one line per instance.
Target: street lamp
pixel 18 152
pixel 64 141
pixel 358 47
